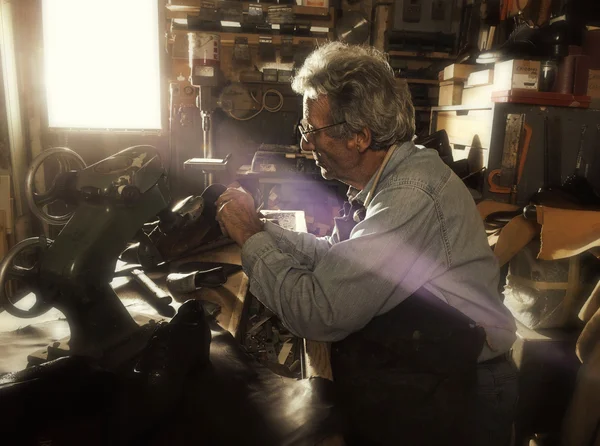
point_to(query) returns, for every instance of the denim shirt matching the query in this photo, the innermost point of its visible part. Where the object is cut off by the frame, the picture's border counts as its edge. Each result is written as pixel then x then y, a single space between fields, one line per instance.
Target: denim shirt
pixel 422 229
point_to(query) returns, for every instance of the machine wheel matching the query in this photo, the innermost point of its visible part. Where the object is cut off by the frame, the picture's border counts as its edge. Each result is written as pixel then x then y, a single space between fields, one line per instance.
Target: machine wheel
pixel 67 160
pixel 28 276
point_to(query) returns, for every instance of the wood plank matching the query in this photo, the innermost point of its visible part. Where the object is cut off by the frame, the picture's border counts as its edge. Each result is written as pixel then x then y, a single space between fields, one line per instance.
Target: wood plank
pixel 423 55
pixel 3 238
pixel 317 359
pixel 465 108
pixel 419 81
pixel 382 20
pixel 6 203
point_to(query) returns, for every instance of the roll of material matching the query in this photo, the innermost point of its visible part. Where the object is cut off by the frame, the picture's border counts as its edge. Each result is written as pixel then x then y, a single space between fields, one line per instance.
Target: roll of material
pixel 581 75
pixel 566 74
pixel 591 48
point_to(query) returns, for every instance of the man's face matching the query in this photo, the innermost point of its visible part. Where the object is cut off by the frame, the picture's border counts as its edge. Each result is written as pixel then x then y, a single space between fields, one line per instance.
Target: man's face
pixel 333 156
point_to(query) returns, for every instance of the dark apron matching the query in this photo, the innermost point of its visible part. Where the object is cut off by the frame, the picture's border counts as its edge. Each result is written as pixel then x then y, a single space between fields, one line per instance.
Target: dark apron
pixel 409 376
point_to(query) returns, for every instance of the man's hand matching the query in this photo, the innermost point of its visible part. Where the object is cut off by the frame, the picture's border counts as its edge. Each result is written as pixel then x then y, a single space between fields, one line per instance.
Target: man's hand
pixel 237 214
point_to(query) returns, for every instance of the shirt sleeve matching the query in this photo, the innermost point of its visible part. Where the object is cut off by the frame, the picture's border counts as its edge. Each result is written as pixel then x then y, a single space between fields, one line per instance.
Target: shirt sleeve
pixel 392 251
pixel 307 249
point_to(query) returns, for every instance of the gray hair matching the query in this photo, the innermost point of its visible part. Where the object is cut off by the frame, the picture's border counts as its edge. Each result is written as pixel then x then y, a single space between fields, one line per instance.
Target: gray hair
pixel 359 83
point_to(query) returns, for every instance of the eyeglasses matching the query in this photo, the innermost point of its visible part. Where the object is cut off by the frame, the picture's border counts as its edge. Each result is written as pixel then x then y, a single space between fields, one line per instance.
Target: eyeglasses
pixel 307 134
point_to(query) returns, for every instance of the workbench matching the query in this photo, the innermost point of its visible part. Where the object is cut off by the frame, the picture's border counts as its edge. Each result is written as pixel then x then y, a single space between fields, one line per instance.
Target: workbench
pixel 22 337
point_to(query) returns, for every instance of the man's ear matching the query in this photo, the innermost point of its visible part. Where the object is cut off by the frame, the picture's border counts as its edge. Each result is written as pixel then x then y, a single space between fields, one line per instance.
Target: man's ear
pixel 363 139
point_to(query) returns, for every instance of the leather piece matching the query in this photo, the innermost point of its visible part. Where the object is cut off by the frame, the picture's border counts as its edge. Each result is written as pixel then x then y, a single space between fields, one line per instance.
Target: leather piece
pixel 514 237
pixel 232 401
pixel 567 232
pixel 591 305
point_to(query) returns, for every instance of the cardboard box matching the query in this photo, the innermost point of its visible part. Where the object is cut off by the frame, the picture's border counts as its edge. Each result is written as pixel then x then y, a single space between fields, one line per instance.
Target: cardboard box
pixel 516 74
pixel 478 78
pixel 458 72
pixel 593 89
pixel 450 93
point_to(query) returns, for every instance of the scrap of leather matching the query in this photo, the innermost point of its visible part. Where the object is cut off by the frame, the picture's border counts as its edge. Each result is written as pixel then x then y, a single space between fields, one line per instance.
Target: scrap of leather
pixel 591 305
pixel 589 338
pixel 567 232
pixel 514 237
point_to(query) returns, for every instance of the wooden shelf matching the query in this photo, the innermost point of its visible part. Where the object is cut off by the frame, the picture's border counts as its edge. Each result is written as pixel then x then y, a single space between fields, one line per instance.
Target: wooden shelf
pixel 421 55
pixel 288 84
pixel 459 108
pixel 419 81
pixel 422 109
pixel 228 38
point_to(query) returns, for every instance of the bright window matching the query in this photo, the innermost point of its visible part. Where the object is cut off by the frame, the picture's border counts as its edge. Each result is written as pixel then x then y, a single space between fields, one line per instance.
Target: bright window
pixel 102 66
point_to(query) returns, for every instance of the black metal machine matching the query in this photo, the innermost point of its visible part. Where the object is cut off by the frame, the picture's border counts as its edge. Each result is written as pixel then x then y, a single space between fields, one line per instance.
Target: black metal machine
pixel 182 382
pixel 113 199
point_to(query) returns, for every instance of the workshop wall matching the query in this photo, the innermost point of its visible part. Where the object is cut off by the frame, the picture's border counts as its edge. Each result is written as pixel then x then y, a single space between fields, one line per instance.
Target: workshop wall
pixel 238 125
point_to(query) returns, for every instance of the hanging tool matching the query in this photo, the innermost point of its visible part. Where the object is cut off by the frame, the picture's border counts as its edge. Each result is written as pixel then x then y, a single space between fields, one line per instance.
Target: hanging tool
pixel 516 146
pixel 577 184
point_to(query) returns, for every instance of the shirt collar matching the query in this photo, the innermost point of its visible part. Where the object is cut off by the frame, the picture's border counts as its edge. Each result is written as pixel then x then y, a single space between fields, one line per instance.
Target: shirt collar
pixel 399 155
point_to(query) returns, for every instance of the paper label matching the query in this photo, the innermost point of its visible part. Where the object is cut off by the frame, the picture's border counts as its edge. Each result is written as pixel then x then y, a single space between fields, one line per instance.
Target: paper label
pixel 529 81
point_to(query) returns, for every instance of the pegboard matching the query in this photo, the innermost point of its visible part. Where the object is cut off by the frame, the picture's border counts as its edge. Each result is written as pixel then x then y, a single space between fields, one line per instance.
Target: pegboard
pixel 564 140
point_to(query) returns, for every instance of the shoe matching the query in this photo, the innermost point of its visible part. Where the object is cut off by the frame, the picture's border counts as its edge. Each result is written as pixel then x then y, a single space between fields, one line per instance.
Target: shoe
pixel 183 283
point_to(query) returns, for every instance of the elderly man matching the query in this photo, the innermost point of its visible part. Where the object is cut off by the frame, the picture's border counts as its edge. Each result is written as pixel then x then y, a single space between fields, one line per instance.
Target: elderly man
pixel 406 288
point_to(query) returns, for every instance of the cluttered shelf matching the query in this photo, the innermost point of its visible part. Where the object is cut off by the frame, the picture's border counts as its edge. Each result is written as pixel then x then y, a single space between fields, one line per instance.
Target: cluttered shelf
pixel 228 38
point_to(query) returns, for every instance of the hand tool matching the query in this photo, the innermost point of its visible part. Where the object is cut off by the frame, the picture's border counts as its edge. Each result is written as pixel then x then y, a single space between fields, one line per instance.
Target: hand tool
pixel 577 184
pixel 516 146
pixel 155 296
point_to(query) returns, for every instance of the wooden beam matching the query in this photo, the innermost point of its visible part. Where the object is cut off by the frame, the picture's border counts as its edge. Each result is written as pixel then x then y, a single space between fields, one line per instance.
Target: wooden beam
pixel 382 17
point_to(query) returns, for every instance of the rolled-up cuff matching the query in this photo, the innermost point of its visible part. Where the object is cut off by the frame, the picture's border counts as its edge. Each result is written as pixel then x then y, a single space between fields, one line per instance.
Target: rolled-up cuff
pixel 255 247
